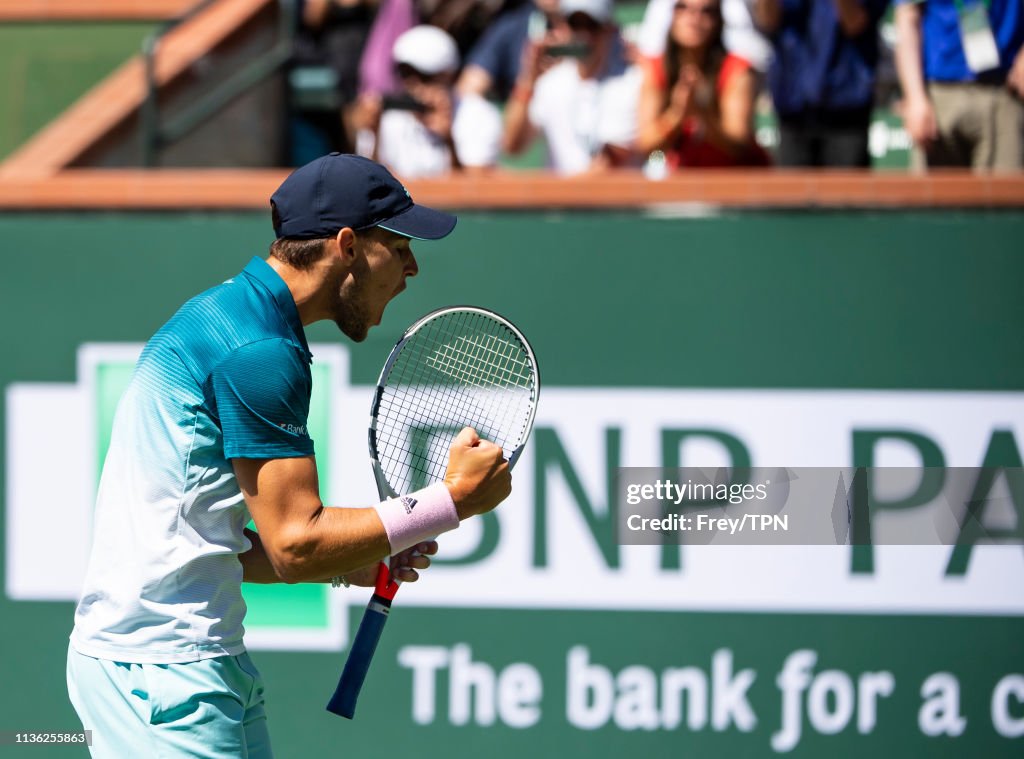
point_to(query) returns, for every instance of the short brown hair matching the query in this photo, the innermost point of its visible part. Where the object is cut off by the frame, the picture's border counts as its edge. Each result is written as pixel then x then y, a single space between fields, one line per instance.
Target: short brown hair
pixel 300 254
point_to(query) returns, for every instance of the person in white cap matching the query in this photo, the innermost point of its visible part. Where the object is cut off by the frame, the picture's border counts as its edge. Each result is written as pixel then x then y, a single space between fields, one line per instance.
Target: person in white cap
pixel 422 131
pixel 580 93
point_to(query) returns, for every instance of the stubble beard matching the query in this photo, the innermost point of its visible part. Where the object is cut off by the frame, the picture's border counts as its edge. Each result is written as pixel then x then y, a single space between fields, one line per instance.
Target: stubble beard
pixel 349 314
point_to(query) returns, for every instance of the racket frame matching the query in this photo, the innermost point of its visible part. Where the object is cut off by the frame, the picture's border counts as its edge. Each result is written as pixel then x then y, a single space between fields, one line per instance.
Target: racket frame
pixel 343 702
pixel 384 488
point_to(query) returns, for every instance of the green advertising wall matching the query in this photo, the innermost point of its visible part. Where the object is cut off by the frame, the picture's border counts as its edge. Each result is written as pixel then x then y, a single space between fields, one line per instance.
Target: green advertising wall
pixel 48 66
pixel 921 307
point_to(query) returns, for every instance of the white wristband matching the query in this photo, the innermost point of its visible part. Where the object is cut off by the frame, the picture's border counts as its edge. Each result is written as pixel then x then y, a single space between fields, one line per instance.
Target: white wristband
pixel 418 516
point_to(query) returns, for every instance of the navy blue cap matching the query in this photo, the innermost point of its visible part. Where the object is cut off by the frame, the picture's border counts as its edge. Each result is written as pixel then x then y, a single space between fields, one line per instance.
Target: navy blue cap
pixel 340 190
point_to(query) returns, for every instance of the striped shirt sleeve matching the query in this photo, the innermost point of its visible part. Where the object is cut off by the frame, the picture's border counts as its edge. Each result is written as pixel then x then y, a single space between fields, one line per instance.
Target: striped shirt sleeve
pixel 261 393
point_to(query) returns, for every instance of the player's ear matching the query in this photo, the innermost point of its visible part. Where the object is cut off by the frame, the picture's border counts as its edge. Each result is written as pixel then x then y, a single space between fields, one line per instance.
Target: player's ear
pixel 346 243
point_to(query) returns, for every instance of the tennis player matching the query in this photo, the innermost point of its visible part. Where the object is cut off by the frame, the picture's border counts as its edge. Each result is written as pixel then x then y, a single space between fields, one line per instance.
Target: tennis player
pixel 211 431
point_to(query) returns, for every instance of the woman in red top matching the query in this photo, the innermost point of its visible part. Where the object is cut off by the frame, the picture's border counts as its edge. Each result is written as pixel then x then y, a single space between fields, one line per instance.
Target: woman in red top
pixel 697 100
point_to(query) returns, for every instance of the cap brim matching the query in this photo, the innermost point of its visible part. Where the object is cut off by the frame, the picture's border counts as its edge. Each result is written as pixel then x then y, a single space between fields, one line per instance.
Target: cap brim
pixel 421 223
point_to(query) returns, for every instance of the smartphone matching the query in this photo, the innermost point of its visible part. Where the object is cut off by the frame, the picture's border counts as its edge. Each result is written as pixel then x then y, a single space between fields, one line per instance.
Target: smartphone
pixel 537 26
pixel 403 102
pixel 568 50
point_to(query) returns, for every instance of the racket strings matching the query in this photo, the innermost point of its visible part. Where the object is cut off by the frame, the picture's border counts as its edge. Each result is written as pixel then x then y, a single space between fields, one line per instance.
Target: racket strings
pixel 460 369
pixel 407 413
pixel 490 361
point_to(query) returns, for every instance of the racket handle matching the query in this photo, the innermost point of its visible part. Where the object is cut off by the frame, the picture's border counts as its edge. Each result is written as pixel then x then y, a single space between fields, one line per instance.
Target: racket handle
pixel 343 702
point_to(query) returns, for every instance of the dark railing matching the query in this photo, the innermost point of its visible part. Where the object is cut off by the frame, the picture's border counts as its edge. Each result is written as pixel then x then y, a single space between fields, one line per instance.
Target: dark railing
pixel 154 135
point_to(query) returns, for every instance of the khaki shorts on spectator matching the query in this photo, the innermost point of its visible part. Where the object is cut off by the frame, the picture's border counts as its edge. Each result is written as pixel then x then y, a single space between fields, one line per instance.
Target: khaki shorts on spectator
pixel 981 126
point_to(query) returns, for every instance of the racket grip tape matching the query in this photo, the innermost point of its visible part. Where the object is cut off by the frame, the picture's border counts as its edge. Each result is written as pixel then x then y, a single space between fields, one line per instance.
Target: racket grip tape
pixel 343 702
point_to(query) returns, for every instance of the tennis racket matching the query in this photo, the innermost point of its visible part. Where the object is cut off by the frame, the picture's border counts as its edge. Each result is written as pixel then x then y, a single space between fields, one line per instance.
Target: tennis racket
pixel 455 367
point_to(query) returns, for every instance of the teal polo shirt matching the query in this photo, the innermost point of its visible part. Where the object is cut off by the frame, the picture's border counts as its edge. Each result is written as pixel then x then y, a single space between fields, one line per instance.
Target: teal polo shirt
pixel 228 376
pixel 243 344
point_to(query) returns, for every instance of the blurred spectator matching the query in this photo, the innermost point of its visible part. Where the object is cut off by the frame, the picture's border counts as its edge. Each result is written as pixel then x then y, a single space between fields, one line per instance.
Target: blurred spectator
pixel 492 66
pixel 739 34
pixel 822 79
pixel 697 100
pixel 576 88
pixel 323 75
pixel 464 20
pixel 961 67
pixel 420 131
pixel 376 69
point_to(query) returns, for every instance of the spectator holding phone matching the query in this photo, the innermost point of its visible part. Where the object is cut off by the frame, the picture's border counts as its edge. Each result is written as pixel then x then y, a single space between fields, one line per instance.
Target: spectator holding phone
pixel 577 89
pixel 492 65
pixel 697 100
pixel 422 131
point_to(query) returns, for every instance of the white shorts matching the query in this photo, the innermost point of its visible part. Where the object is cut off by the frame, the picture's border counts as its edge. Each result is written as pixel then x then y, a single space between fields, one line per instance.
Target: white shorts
pixel 209 708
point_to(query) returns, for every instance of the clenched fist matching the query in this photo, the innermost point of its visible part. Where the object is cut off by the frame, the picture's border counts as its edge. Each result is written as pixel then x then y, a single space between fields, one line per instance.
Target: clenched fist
pixel 478 476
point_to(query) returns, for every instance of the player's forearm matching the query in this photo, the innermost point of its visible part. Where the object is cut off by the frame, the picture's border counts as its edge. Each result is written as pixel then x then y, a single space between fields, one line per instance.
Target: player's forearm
pixel 256 565
pixel 333 541
pixel 908 50
pixel 337 541
pixel 258 568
